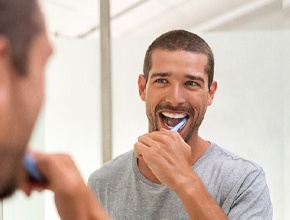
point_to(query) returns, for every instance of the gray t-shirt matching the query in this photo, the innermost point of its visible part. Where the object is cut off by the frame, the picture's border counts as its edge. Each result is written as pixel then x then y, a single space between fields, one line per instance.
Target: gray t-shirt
pixel 237 185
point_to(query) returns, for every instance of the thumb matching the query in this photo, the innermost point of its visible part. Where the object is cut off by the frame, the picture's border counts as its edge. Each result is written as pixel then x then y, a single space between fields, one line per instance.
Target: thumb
pixel 163 129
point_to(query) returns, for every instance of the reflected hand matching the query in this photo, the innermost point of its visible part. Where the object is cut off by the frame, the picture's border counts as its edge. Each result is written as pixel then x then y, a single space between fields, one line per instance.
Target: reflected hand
pixel 73 199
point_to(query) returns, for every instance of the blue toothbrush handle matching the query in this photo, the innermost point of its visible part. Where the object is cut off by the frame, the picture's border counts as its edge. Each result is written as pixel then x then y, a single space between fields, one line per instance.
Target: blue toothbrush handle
pixel 179 125
pixel 30 165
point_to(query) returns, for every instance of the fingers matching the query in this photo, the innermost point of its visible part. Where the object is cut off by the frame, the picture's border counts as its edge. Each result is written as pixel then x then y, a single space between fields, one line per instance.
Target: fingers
pixel 150 144
pixel 161 138
pixel 60 172
pixel 28 181
pixel 27 186
pixel 57 168
pixel 140 150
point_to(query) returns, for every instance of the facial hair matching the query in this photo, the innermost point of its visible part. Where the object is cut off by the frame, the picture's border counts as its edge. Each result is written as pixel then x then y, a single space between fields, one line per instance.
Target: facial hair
pixel 8 189
pixel 195 119
pixel 11 162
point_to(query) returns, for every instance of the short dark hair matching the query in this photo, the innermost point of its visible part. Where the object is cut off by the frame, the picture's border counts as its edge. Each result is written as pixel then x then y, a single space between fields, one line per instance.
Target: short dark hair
pixel 20 22
pixel 180 40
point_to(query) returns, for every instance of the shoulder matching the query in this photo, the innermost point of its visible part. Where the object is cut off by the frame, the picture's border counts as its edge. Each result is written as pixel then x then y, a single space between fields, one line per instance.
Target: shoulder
pixel 229 168
pixel 238 185
pixel 246 192
pixel 231 161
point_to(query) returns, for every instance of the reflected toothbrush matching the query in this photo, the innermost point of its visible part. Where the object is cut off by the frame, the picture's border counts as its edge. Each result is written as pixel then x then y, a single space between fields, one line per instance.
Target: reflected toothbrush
pixel 30 165
pixel 179 125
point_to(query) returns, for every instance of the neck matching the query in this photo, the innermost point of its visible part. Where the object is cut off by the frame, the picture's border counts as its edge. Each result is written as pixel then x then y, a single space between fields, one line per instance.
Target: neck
pixel 198 147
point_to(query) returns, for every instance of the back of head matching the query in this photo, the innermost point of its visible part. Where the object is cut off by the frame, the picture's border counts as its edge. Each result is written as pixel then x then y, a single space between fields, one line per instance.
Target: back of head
pixel 180 40
pixel 19 23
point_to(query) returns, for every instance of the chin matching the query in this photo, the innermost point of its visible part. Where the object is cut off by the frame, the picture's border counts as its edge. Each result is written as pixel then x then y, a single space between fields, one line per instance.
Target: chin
pixel 11 166
pixel 8 189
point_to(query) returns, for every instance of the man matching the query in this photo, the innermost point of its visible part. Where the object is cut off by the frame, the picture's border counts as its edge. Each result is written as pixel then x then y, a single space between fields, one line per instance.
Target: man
pixel 179 175
pixel 24 50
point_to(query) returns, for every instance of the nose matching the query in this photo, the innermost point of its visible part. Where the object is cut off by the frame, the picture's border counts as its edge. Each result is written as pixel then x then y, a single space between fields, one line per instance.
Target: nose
pixel 175 95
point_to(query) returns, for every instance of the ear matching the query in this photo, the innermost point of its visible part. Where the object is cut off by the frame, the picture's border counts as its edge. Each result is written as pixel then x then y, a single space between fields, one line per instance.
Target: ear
pixel 212 90
pixel 4 49
pixel 4 71
pixel 142 86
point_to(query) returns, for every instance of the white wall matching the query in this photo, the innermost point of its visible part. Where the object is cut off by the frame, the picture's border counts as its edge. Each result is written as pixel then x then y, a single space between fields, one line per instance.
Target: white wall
pixel 72 115
pixel 250 114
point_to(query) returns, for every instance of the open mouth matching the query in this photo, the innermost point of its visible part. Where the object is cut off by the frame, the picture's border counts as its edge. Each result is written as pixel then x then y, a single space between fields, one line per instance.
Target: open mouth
pixel 170 120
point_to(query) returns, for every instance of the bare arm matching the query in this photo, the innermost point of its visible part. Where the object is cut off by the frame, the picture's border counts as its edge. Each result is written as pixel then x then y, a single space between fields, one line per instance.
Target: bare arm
pixel 196 199
pixel 73 199
pixel 169 158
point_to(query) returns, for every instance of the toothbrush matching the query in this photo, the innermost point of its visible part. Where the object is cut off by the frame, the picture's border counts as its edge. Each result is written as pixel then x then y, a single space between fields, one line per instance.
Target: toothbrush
pixel 179 125
pixel 30 165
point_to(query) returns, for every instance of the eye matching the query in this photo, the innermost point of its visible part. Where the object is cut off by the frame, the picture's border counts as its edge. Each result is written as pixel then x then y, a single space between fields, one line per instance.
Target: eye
pixel 161 80
pixel 191 83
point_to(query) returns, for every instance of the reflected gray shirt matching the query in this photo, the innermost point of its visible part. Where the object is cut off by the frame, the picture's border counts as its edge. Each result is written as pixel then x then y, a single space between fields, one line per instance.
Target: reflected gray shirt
pixel 237 185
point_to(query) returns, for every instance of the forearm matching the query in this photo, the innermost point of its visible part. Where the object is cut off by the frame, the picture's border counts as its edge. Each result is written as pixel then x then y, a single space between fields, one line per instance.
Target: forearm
pixel 197 201
pixel 97 211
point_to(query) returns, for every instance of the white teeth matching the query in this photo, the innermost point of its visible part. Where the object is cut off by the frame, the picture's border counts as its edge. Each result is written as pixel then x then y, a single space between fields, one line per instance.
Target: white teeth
pixel 173 115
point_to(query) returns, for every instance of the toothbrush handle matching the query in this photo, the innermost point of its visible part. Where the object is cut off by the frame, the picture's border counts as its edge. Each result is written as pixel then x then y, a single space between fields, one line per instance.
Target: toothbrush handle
pixel 179 125
pixel 30 165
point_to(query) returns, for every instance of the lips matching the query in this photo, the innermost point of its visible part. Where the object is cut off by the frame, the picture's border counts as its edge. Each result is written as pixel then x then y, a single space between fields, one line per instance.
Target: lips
pixel 170 119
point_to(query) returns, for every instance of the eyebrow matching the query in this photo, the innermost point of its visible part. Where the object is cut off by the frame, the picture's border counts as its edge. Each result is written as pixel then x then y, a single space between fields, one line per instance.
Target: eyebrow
pixel 155 75
pixel 192 77
pixel 188 76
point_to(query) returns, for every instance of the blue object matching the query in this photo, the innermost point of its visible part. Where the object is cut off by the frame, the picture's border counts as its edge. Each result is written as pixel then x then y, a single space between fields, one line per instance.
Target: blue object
pixel 179 125
pixel 30 166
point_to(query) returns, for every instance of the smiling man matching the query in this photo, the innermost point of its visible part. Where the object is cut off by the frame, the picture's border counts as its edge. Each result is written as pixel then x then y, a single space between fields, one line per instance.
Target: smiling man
pixel 178 174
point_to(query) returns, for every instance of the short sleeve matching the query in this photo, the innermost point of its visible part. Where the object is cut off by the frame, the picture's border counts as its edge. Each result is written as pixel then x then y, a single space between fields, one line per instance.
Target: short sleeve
pixel 253 199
